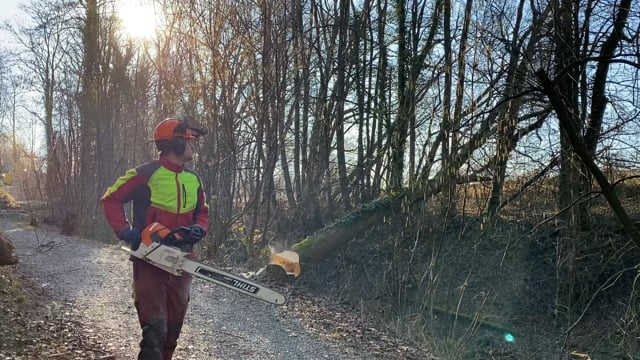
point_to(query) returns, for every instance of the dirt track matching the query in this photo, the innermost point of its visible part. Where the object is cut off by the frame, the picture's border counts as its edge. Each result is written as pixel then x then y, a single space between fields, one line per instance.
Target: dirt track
pixel 91 281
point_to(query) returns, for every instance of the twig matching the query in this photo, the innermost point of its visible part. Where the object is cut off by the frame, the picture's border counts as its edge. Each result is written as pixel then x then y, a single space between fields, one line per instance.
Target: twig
pixel 89 348
pixel 79 336
pixel 625 179
pixel 552 164
pixel 47 247
pixel 608 283
pixel 583 197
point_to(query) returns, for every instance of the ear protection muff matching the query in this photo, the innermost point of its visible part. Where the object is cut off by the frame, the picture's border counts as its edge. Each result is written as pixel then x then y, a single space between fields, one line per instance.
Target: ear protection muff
pixel 181 128
pixel 178 145
pixel 162 145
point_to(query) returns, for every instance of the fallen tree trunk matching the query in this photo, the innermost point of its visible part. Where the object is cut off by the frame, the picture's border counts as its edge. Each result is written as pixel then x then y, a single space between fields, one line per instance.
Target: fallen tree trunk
pixel 318 246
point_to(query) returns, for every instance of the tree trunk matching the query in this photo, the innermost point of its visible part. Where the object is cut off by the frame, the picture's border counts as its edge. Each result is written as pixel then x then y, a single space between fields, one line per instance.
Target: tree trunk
pixel 318 246
pixel 506 120
pixel 599 102
pixel 573 135
pixel 381 113
pixel 341 93
pixel 400 127
pixel 90 110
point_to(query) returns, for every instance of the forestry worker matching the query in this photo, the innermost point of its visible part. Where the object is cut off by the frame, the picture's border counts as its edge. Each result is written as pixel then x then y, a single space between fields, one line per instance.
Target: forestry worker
pixel 161 191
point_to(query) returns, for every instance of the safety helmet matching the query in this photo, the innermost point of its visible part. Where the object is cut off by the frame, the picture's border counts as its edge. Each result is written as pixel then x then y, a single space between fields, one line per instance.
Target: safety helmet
pixel 170 128
pixel 173 134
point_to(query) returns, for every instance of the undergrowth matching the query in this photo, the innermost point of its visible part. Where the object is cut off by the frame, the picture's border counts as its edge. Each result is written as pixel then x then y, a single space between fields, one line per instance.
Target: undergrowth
pixel 6 200
pixel 511 290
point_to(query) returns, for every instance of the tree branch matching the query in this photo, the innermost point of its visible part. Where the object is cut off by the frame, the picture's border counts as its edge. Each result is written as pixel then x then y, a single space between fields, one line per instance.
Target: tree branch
pixel 549 89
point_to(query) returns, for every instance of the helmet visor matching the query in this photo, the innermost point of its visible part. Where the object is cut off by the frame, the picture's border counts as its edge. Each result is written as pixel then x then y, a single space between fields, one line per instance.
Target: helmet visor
pixel 188 134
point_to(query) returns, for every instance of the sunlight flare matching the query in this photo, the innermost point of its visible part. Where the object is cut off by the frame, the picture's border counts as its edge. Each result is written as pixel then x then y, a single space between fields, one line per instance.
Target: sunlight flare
pixel 509 338
pixel 138 19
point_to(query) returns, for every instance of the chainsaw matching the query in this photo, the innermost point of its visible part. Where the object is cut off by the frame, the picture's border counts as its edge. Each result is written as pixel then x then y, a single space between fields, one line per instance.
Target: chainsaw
pixel 168 250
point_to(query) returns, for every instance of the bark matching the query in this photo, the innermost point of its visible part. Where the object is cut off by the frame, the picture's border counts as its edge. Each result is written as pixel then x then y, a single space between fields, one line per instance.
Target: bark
pixel 298 62
pixel 400 127
pixel 599 101
pixel 318 246
pixel 448 131
pixel 362 68
pixel 572 177
pixel 381 114
pixel 90 109
pixel 341 93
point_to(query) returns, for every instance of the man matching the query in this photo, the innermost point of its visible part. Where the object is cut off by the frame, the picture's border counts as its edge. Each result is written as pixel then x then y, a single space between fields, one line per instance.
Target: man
pixel 166 192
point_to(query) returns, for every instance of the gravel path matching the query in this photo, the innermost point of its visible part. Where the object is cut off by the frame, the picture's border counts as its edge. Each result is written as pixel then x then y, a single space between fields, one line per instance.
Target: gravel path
pixel 91 281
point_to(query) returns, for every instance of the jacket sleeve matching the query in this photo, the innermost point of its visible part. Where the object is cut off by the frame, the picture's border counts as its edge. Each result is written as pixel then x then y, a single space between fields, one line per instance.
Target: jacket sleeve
pixel 118 194
pixel 202 212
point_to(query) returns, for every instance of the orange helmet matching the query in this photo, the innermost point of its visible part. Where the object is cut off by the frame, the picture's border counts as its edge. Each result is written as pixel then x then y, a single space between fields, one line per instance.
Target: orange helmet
pixel 170 128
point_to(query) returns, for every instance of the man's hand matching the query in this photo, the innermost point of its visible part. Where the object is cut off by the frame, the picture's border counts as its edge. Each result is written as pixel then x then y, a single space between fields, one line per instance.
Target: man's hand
pixel 132 237
pixel 196 233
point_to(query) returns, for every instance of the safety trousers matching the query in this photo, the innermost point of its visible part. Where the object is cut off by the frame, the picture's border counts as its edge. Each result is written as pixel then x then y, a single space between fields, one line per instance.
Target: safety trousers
pixel 161 300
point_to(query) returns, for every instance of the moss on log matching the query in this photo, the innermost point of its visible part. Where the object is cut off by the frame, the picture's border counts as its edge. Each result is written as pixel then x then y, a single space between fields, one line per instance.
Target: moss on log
pixel 318 246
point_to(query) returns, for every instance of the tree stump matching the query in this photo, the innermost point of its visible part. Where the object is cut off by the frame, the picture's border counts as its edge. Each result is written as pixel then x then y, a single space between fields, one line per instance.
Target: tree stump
pixel 7 256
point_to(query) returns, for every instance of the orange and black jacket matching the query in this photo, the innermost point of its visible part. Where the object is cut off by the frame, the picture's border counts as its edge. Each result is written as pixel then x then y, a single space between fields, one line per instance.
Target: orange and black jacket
pixel 161 192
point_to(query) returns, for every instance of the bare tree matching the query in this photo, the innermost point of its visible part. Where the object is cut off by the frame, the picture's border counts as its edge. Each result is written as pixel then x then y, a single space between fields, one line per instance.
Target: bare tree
pixel 578 100
pixel 45 44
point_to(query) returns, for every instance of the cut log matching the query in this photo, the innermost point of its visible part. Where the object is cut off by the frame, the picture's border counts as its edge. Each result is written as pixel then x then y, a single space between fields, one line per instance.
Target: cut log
pixel 7 256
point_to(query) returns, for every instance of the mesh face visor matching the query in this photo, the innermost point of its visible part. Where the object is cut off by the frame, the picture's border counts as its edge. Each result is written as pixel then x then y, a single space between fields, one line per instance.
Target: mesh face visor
pixel 192 126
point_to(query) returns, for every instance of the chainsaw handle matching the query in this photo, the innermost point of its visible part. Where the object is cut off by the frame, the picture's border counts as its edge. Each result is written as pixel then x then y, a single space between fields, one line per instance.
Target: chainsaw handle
pixel 170 238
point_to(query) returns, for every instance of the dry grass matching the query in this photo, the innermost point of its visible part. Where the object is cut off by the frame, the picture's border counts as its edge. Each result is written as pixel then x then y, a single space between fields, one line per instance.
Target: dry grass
pixel 441 278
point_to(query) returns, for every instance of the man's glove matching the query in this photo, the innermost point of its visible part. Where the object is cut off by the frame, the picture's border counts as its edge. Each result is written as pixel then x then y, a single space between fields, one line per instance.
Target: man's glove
pixel 196 233
pixel 132 237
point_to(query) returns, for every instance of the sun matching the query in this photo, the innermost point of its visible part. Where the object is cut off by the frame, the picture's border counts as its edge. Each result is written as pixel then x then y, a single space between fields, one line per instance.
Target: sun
pixel 138 19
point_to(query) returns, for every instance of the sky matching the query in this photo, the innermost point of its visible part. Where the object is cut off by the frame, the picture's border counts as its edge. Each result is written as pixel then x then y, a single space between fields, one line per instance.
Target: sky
pixel 134 21
pixel 9 11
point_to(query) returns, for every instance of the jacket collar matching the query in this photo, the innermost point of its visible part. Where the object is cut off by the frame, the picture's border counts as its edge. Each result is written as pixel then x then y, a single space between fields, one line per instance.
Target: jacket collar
pixel 169 165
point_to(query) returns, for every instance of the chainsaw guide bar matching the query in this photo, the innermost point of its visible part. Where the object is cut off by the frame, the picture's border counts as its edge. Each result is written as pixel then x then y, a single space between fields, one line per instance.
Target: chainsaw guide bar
pixel 175 261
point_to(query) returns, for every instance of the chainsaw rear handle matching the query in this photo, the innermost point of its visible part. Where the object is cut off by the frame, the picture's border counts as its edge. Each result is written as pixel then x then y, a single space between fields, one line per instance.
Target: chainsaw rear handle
pixel 171 240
